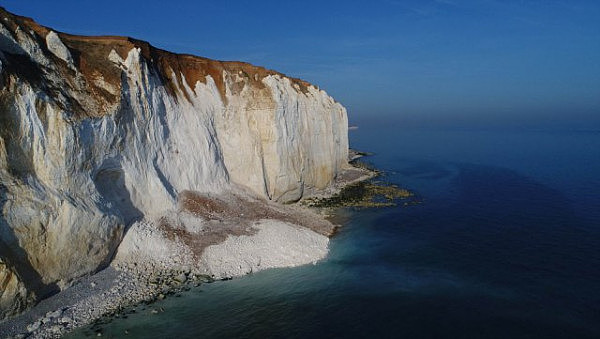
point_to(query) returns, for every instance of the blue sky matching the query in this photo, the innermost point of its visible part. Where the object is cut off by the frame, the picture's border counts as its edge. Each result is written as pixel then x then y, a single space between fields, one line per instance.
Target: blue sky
pixel 482 62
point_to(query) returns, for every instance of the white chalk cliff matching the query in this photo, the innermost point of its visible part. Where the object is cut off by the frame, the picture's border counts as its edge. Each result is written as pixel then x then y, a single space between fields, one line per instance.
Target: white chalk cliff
pixel 96 132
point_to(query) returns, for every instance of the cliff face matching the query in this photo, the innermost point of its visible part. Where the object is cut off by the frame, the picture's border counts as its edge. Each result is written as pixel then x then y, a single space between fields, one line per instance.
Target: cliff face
pixel 98 131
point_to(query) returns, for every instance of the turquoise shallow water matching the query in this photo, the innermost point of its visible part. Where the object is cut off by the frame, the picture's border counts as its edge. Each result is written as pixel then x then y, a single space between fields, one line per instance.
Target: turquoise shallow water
pixel 505 245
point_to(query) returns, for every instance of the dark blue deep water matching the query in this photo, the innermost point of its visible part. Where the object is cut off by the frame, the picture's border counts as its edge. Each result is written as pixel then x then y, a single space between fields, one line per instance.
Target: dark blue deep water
pixel 506 244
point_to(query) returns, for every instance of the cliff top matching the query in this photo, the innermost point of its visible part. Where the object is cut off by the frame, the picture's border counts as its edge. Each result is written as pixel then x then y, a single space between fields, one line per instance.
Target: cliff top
pixel 91 57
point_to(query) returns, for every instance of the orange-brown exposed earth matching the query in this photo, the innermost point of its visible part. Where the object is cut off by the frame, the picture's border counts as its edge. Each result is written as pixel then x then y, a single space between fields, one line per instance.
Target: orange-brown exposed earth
pixel 90 56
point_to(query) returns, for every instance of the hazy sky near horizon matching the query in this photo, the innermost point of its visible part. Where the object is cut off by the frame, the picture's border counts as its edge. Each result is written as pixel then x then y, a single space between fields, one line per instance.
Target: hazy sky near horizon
pixel 472 61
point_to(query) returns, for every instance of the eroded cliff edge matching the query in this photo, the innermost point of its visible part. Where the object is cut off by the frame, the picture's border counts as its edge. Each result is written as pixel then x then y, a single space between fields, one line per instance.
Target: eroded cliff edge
pixel 97 132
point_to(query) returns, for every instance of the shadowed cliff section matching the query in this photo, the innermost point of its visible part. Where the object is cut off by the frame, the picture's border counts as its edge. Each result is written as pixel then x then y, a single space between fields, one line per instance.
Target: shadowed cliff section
pixel 20 283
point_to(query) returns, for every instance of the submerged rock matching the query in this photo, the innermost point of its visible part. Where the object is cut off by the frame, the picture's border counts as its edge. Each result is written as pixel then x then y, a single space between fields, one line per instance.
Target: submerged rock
pixel 365 194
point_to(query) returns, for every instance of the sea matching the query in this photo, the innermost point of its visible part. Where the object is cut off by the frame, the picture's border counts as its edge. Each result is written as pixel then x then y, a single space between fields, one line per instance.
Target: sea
pixel 505 243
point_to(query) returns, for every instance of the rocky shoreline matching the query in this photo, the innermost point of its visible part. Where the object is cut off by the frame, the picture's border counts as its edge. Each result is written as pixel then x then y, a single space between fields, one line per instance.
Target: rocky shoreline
pixel 274 236
pixel 104 294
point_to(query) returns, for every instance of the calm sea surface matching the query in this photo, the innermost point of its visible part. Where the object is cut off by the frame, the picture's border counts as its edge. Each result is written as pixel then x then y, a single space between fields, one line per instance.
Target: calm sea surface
pixel 506 244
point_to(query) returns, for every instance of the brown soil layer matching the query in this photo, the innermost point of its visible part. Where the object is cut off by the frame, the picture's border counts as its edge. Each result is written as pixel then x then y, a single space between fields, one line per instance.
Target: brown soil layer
pixel 91 58
pixel 234 214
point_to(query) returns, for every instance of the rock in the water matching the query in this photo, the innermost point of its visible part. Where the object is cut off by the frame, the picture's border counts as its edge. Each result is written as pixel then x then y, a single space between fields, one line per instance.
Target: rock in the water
pixel 181 278
pixel 54 314
pixel 65 320
pixel 34 327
